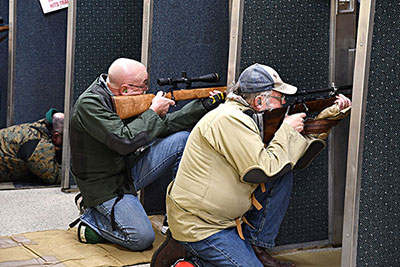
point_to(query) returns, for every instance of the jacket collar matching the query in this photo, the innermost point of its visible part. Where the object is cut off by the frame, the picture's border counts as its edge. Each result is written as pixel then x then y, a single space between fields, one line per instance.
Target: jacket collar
pixel 102 82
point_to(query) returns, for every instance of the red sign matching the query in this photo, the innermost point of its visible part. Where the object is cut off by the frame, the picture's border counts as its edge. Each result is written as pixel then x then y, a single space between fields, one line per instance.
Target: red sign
pixel 53 5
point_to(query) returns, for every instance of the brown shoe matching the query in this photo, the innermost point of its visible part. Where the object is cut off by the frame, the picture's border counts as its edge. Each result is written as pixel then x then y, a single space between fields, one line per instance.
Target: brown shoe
pixel 267 260
pixel 168 253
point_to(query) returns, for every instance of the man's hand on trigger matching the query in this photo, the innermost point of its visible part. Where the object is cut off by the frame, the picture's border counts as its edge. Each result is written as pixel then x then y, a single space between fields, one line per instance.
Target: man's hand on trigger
pixel 296 121
pixel 342 101
pixel 160 104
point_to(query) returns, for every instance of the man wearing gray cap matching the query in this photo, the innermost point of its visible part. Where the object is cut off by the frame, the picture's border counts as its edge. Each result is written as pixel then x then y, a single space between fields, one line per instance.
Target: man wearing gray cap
pixel 231 191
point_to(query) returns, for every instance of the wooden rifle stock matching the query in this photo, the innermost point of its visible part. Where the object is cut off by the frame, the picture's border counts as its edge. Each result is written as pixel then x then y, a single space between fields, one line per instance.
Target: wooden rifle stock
pixel 274 118
pixel 130 106
pixel 4 28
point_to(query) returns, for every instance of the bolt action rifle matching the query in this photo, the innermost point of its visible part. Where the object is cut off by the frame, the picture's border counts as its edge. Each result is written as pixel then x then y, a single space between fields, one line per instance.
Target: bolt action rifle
pixel 310 102
pixel 130 106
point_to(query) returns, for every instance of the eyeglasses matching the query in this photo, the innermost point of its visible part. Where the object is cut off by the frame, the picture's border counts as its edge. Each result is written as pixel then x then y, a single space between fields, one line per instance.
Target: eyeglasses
pixel 280 98
pixel 145 86
pixel 137 86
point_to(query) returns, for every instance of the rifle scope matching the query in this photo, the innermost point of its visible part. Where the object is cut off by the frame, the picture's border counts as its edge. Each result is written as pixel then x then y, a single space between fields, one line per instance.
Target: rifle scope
pixel 208 78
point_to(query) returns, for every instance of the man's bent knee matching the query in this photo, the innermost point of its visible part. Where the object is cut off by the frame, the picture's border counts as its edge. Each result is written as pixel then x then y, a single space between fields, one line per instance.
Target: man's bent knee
pixel 140 241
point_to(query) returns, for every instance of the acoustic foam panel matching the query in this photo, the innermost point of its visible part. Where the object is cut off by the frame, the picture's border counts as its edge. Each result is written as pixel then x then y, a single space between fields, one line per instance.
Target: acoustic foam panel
pixel 379 212
pixel 293 38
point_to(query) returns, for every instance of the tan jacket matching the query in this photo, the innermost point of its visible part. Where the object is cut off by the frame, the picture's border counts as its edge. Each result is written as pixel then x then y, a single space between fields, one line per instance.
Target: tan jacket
pixel 209 193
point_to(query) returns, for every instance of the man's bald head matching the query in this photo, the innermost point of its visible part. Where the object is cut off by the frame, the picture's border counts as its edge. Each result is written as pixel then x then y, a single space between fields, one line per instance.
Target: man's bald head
pixel 126 71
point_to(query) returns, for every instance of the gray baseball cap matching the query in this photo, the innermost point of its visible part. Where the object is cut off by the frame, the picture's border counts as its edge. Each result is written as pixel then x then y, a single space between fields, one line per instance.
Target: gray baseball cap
pixel 261 78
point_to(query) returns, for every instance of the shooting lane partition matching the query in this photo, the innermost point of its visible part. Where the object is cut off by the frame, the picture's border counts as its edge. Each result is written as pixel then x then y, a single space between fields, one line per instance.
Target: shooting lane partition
pixel 293 38
pixel 37 77
pixel 371 233
pixel 190 36
pixel 3 63
pixel 98 33
pixel 105 31
pixel 379 217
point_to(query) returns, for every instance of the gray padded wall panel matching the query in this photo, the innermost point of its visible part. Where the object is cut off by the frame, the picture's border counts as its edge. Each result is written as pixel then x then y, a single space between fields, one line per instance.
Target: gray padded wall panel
pixel 191 36
pixel 105 31
pixel 39 61
pixel 293 38
pixel 3 65
pixel 379 217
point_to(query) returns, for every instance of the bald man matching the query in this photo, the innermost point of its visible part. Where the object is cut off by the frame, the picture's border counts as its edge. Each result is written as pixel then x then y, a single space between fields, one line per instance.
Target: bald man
pixel 32 151
pixel 113 158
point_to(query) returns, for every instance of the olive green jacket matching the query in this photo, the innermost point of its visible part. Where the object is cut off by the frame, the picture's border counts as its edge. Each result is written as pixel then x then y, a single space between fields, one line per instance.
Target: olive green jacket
pixel 104 148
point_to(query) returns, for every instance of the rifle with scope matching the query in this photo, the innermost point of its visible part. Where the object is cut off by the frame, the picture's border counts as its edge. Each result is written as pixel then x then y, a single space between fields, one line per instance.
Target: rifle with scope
pixel 309 102
pixel 130 106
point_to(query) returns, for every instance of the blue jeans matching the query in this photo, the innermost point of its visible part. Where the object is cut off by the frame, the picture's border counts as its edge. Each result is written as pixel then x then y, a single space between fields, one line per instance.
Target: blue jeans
pixel 134 230
pixel 226 248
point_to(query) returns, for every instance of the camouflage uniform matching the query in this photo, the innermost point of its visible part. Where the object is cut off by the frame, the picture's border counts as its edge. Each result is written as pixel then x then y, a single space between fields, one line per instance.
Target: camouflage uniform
pixel 27 149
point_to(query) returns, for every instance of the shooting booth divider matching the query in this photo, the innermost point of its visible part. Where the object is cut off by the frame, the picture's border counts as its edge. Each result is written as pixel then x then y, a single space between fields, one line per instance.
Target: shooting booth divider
pixel 293 38
pixel 371 221
pixel 98 33
pixel 32 78
pixel 343 32
pixel 36 63
pixel 191 37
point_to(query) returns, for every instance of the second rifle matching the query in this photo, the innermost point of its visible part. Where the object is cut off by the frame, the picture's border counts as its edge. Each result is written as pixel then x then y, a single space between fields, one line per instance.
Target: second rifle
pixel 309 104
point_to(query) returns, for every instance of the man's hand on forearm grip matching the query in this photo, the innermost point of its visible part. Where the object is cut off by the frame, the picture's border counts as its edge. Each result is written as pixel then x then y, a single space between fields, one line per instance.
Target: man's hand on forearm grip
pixel 213 101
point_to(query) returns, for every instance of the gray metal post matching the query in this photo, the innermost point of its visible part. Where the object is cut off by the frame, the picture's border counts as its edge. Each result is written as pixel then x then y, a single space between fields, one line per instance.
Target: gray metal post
pixel 69 78
pixel 342 48
pixel 146 32
pixel 146 47
pixel 356 135
pixel 12 27
pixel 235 39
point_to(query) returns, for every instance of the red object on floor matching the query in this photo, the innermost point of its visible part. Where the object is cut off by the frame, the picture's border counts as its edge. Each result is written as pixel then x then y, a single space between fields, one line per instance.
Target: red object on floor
pixel 183 263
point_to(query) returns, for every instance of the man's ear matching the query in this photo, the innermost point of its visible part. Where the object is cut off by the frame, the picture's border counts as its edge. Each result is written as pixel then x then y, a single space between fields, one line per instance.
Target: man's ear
pixel 124 90
pixel 258 102
pixel 57 138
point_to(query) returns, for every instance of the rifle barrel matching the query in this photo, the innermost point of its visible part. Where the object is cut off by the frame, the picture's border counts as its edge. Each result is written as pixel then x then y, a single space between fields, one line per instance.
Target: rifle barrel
pixel 324 90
